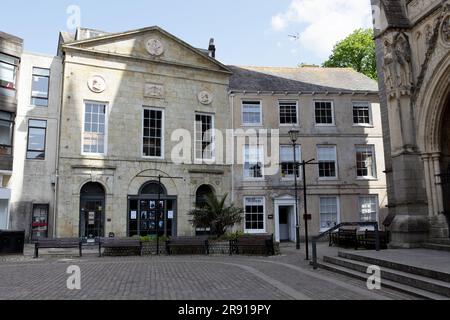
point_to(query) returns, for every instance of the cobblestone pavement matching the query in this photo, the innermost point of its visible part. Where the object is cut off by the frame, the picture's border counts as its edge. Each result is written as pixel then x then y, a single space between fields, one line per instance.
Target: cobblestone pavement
pixel 285 277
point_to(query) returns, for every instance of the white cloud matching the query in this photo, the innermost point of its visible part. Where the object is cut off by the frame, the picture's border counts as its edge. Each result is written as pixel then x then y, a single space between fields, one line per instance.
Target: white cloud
pixel 324 22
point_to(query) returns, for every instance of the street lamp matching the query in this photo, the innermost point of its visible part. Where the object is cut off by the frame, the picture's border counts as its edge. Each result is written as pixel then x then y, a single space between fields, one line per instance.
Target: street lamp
pixel 293 134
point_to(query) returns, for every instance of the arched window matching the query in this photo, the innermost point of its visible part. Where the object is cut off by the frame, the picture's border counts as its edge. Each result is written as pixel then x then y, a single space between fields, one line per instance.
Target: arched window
pixel 153 188
pixel 201 195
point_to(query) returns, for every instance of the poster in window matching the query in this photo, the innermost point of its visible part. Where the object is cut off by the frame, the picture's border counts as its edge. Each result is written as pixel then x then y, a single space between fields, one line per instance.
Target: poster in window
pixel 133 215
pixel 152 205
pixel 170 215
pixel 144 215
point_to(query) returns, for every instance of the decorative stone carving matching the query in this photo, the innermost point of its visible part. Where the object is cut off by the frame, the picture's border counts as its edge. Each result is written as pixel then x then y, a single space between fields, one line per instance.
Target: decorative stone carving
pixel 397 63
pixel 445 30
pixel 428 35
pixel 154 91
pixel 205 97
pixel 417 8
pixel 154 47
pixel 97 84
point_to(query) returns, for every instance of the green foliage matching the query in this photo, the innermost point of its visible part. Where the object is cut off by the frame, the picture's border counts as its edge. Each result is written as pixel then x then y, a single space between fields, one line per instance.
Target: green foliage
pixel 215 214
pixel 357 51
pixel 162 239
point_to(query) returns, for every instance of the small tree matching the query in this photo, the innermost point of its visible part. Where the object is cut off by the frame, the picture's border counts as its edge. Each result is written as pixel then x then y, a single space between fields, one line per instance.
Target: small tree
pixel 357 51
pixel 216 215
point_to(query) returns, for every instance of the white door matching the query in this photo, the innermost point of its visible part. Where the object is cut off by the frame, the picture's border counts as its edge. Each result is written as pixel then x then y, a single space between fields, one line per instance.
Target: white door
pixel 3 214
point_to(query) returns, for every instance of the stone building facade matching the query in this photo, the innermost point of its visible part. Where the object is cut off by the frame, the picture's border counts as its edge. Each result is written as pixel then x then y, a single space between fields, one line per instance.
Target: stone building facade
pixel 36 139
pixel 126 97
pixel 337 114
pixel 11 49
pixel 413 49
pixel 125 133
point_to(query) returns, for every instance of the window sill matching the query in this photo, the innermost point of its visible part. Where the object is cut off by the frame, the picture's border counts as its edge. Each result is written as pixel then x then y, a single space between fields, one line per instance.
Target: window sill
pixel 366 179
pixel 328 179
pixel 363 126
pixel 254 180
pixel 153 158
pixel 255 231
pixel 325 125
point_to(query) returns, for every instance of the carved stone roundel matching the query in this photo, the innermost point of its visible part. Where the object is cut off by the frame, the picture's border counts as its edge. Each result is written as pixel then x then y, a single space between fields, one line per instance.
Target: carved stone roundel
pixel 97 84
pixel 205 97
pixel 154 47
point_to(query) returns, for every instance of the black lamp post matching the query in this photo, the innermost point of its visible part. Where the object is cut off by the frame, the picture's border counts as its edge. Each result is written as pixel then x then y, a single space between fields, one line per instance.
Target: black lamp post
pixel 293 134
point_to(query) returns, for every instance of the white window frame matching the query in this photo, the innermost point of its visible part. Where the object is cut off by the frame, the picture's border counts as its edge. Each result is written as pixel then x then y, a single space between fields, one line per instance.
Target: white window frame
pixel 213 137
pixel 333 115
pixel 338 204
pixel 375 196
pixel 107 110
pixel 369 105
pixel 296 124
pixel 244 124
pixel 300 177
pixel 251 231
pixel 336 163
pixel 262 162
pixel 374 163
pixel 163 132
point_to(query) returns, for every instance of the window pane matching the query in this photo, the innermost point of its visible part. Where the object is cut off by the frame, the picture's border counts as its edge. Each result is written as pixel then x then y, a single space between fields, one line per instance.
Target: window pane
pixel 288 166
pixel 328 212
pixel 204 137
pixel 288 112
pixel 324 113
pixel 251 112
pixel 94 128
pixel 365 164
pixel 368 208
pixel 253 161
pixel 152 134
pixel 361 113
pixel 7 76
pixel 327 162
pixel 254 214
pixel 36 139
pixel 6 133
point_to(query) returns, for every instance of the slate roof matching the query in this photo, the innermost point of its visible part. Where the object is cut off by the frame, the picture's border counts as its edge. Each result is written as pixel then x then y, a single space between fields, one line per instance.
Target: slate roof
pixel 301 79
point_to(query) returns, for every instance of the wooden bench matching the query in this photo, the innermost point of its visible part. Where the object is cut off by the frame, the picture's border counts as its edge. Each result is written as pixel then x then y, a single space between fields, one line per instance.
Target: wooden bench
pixel 193 243
pixel 253 244
pixel 345 238
pixel 113 243
pixel 64 243
pixel 368 239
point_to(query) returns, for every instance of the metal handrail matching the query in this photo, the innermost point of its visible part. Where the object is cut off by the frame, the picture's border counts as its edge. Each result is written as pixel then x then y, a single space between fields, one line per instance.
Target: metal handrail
pixel 339 226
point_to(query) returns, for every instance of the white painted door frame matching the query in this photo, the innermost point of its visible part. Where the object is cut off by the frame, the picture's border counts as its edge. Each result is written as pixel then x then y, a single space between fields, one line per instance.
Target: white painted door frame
pixel 284 202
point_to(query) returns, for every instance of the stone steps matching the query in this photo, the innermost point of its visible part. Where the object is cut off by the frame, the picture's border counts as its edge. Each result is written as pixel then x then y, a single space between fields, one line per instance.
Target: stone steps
pixel 436 246
pixel 414 292
pixel 416 281
pixel 433 274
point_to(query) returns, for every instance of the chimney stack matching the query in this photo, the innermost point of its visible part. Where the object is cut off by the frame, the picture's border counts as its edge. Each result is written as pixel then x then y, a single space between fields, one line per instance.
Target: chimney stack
pixel 212 48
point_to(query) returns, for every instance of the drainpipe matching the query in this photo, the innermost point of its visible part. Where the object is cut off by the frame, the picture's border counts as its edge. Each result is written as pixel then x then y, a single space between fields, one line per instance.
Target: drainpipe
pixel 231 95
pixel 58 144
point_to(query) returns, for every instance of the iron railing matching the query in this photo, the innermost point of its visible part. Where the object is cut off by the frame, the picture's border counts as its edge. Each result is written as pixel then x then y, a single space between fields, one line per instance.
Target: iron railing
pixel 339 226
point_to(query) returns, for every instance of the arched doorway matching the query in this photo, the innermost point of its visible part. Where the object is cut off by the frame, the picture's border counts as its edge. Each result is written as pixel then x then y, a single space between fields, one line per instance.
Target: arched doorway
pixel 201 195
pixel 92 211
pixel 152 211
pixel 200 201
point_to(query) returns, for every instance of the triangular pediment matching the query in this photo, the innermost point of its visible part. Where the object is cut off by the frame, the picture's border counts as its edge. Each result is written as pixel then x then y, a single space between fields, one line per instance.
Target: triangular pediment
pixel 153 44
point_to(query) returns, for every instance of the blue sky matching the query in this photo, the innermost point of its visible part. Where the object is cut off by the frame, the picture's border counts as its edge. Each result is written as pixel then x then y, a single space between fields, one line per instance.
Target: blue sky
pixel 247 32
